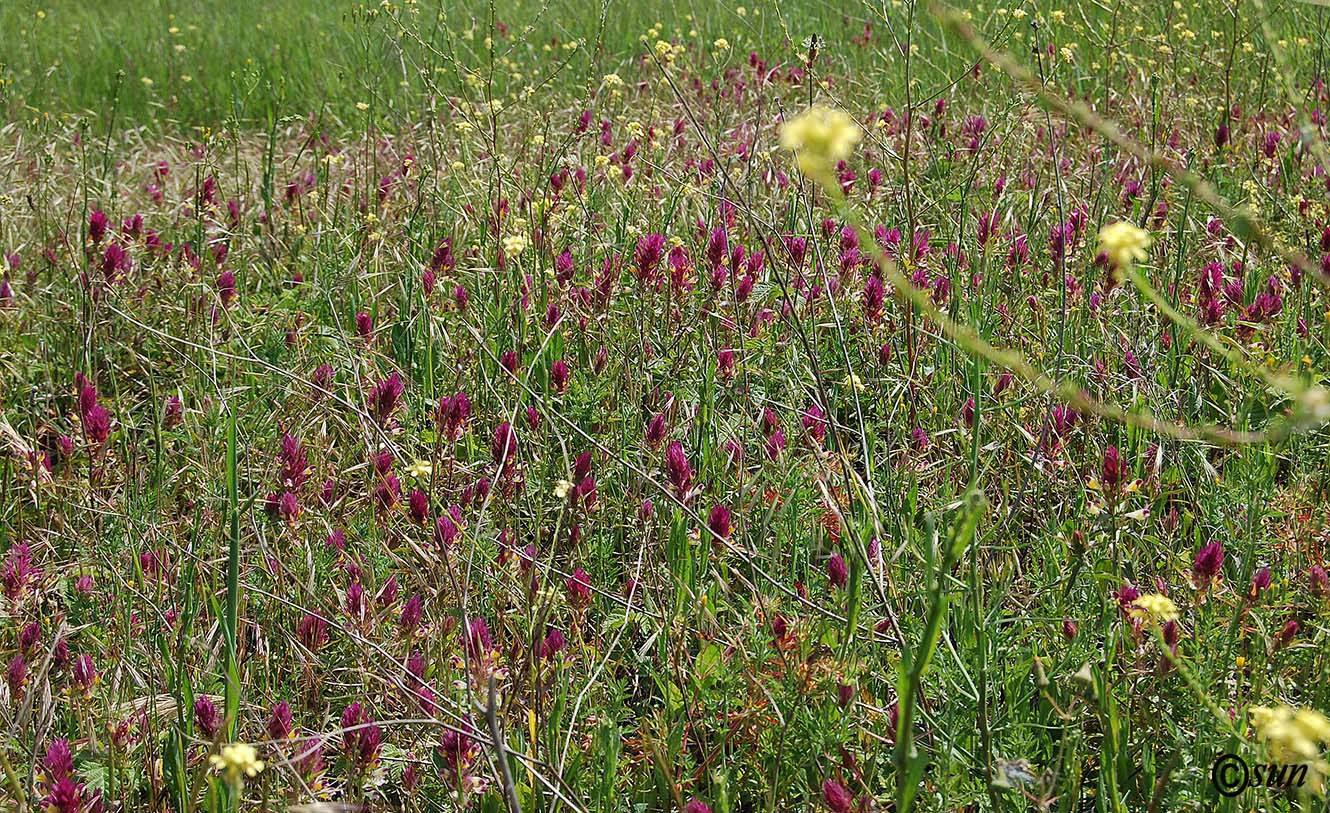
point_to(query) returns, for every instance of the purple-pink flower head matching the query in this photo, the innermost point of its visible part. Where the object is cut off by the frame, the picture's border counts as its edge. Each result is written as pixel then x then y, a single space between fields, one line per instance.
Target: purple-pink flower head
pixel 509 361
pixel 294 464
pixel 312 632
pixel 874 294
pixel 725 363
pixel 322 378
pixel 207 719
pixel 815 423
pixel 656 430
pixel 65 795
pixel 717 247
pixel 676 466
pixel 388 593
pixel 836 797
pixel 1260 581
pixel 445 532
pixel 361 738
pixel 418 506
pixel 413 611
pixel 559 376
pixel 87 393
pixel 838 573
pixel 98 223
pixel 17 676
pixel 59 760
pixel 718 522
pixel 456 750
pixel 986 228
pixel 387 492
pixel 579 589
pixel 281 723
pixel 452 415
pixel 1209 560
pixel 1319 581
pixel 19 573
pixel 29 637
pixel 97 424
pixel 504 446
pixel 1113 472
pixel 552 645
pixel 115 262
pixel 172 412
pixel 1126 596
pixel 288 507
pixel 84 672
pixel 226 286
pixel 384 397
pixel 563 267
pixel 1286 635
pixel 478 640
pixel 582 467
pixel 648 254
pixel 355 601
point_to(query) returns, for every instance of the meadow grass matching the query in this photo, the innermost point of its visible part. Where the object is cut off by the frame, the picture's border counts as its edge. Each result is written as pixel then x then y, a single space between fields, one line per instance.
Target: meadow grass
pixel 477 407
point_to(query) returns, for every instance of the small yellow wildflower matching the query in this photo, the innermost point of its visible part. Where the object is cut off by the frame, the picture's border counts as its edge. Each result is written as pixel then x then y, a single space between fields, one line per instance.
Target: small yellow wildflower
pixel 236 762
pixel 1155 608
pixel 420 469
pixel 819 138
pixel 515 244
pixel 1293 735
pixel 1124 243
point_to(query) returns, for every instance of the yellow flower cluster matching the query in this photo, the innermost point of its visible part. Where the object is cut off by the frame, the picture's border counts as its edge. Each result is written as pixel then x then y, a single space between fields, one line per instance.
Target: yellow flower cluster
pixel 236 762
pixel 819 138
pixel 1155 608
pixel 1124 244
pixel 514 244
pixel 1293 735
